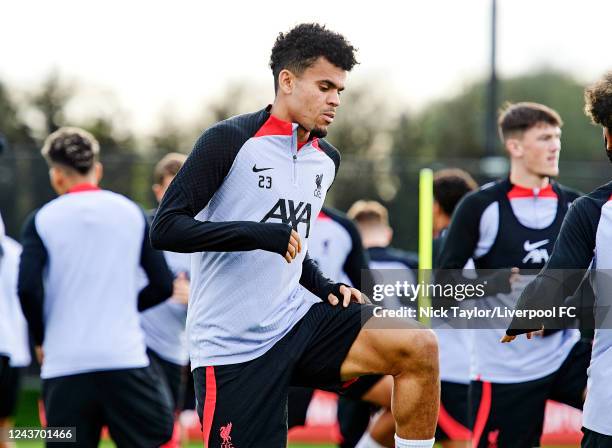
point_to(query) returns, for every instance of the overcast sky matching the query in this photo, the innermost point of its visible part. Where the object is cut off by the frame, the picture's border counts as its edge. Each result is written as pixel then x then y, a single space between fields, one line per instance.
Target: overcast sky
pixel 173 56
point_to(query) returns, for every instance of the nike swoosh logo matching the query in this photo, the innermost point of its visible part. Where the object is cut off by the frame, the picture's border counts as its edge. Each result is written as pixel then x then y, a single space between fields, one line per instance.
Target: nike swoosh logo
pixel 532 246
pixel 257 170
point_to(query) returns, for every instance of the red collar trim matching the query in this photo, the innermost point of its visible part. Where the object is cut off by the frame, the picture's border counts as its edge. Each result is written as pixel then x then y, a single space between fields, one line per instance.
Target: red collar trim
pixel 83 187
pixel 322 216
pixel 522 192
pixel 275 126
pixel 314 142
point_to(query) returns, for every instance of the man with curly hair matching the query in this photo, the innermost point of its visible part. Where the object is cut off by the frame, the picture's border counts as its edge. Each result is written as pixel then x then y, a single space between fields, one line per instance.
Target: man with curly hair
pixel 261 315
pixel 583 244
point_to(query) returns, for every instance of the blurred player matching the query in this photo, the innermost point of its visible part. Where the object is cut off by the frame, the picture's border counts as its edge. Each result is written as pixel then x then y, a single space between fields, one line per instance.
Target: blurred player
pixel 388 265
pixel 164 324
pixel 584 241
pixel 78 289
pixel 449 186
pixel 336 246
pixel 261 315
pixel 5 334
pixel 6 345
pixel 20 343
pixel 372 219
pixel 513 223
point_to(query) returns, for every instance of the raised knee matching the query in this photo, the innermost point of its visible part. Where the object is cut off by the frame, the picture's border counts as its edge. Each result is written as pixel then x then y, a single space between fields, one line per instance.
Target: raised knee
pixel 418 351
pixel 426 348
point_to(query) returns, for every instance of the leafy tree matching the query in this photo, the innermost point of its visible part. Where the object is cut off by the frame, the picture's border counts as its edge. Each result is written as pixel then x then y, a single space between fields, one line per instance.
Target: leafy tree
pixel 454 127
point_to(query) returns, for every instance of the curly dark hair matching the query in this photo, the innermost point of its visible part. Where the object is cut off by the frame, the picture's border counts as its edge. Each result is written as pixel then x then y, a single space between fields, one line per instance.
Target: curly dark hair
pixel 598 105
pixel 598 101
pixel 72 148
pixel 299 48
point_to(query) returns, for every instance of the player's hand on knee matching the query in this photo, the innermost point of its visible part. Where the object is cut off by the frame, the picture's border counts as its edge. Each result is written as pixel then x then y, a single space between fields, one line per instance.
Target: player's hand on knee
pixel 294 247
pixel 348 295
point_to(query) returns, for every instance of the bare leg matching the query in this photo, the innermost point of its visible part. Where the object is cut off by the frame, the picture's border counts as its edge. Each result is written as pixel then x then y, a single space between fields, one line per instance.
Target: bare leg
pixel 398 348
pixel 382 429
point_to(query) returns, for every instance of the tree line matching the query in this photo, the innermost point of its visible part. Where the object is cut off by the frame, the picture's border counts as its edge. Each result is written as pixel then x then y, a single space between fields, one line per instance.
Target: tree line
pixel 383 144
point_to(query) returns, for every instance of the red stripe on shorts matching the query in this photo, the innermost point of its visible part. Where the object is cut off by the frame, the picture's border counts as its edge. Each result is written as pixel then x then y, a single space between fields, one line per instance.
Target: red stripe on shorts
pixel 349 383
pixel 453 429
pixel 210 401
pixel 483 413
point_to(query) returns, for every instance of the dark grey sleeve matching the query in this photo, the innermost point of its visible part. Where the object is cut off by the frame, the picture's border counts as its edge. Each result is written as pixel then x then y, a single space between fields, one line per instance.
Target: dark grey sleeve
pixel 30 286
pixel 458 246
pixel 461 239
pixel 160 277
pixel 174 227
pixel 314 281
pixel 356 264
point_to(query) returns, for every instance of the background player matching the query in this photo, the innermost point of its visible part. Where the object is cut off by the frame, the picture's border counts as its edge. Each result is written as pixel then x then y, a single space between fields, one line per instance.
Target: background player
pixel 387 264
pixel 19 340
pixel 372 220
pixel 5 333
pixel 584 241
pixel 6 345
pixel 335 245
pixel 372 217
pixel 449 186
pixel 78 290
pixel 514 223
pixel 164 324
